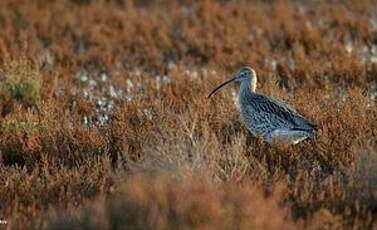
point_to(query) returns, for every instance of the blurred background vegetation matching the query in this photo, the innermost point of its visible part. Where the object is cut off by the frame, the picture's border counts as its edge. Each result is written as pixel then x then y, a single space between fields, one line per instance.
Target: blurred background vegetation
pixel 105 122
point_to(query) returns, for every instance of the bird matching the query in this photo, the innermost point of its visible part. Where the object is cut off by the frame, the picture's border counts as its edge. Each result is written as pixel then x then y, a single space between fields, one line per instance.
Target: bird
pixel 266 116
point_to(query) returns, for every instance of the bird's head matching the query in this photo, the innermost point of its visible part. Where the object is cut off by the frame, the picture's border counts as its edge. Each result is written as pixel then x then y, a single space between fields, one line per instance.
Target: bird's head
pixel 244 74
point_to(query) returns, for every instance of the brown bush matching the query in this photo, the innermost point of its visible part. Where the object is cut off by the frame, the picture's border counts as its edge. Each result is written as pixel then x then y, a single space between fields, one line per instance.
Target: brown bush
pixel 93 92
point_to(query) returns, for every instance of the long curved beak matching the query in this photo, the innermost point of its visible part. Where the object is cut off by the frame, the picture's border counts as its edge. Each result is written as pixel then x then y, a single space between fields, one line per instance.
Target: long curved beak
pixel 220 86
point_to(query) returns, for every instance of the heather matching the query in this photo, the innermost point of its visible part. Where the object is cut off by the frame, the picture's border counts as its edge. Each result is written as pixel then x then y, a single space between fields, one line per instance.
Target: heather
pixel 105 121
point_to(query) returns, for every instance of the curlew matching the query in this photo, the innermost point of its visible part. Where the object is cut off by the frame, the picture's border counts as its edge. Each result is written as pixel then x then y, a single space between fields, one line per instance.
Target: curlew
pixel 265 116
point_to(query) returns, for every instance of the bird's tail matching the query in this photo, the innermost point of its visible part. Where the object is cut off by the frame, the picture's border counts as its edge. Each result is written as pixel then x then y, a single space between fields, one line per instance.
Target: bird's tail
pixel 312 133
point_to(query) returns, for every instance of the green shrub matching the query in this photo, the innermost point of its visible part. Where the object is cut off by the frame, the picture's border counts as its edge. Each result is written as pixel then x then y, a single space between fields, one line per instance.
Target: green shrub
pixel 21 81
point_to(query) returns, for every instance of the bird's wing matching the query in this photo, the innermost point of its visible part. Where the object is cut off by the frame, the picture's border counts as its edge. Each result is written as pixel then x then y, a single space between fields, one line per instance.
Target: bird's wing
pixel 264 104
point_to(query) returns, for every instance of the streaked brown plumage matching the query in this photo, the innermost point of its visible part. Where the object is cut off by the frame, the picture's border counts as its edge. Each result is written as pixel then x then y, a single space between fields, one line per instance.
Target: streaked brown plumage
pixel 265 116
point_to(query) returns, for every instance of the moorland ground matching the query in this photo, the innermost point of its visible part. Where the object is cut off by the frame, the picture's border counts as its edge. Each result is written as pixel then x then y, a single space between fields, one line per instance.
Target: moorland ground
pixel 105 122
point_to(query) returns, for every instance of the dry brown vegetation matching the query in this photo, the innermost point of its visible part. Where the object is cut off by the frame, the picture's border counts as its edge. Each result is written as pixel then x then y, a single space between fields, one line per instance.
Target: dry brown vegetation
pixel 105 122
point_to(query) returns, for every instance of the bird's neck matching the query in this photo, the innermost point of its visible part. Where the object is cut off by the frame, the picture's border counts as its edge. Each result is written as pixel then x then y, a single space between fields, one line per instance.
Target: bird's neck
pixel 247 86
pixel 246 90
